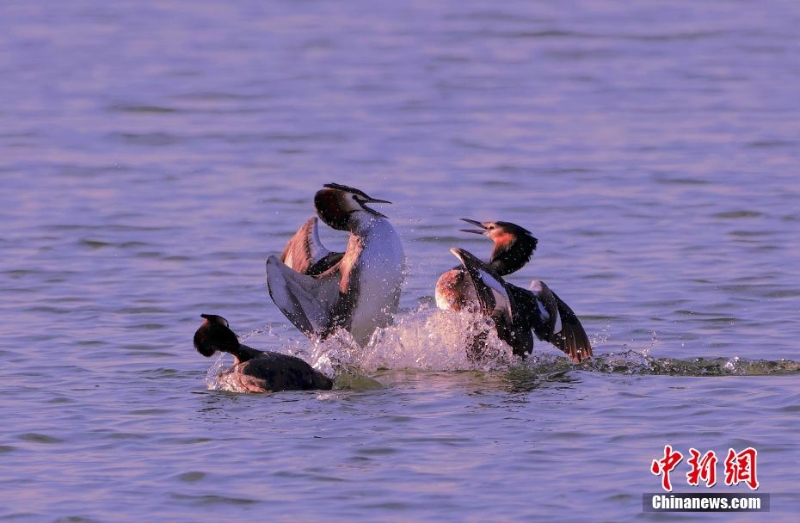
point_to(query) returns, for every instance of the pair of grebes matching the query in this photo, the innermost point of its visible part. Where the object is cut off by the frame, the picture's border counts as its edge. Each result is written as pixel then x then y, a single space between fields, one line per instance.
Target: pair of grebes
pixel 358 290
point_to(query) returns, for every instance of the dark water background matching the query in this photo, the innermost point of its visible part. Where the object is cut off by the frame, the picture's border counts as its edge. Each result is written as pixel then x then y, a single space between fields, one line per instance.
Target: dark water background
pixel 152 154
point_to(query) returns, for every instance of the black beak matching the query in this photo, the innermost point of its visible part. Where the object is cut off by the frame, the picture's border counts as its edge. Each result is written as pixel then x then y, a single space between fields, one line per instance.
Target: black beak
pixel 373 200
pixel 476 223
pixel 373 211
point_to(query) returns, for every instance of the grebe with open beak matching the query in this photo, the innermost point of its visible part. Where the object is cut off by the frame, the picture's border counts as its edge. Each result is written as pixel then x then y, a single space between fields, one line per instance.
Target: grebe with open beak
pixel 515 311
pixel 513 248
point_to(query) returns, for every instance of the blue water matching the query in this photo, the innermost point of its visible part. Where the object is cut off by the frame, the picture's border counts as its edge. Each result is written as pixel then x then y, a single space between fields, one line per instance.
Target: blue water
pixel 153 154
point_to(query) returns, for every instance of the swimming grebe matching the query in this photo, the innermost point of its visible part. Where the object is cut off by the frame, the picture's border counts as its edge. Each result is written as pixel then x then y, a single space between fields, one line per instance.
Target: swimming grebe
pixel 359 290
pixel 255 370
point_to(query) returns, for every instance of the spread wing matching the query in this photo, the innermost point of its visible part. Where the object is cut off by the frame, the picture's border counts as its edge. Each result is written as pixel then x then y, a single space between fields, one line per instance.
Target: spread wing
pixel 305 253
pixel 554 321
pixel 490 289
pixel 307 301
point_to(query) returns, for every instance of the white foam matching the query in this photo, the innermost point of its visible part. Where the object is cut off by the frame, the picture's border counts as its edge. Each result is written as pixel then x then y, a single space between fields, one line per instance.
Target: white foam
pixel 215 371
pixel 423 339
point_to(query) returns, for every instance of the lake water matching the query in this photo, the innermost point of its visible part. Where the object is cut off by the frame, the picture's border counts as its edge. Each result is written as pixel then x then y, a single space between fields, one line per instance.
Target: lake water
pixel 153 154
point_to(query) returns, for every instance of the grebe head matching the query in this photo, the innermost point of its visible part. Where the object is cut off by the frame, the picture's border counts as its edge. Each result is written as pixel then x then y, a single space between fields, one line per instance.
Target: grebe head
pixel 513 245
pixel 501 232
pixel 335 203
pixel 214 335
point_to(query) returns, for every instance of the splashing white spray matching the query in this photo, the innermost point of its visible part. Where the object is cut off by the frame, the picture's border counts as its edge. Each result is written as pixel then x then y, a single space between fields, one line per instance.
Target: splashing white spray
pixel 215 371
pixel 424 339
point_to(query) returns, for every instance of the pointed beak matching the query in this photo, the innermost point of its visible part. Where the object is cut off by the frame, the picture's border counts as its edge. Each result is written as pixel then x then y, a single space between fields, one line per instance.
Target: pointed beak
pixel 373 211
pixel 482 229
pixel 373 200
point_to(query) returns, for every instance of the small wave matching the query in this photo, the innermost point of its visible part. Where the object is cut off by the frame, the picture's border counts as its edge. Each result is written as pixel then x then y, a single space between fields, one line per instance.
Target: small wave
pixel 632 362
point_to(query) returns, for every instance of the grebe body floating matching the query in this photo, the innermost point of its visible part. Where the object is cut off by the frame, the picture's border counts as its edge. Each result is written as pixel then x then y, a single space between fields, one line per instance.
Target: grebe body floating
pixel 254 370
pixel 321 291
pixel 515 311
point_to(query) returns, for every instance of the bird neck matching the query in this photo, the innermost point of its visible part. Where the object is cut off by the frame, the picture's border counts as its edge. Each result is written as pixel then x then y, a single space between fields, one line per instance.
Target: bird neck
pixel 244 353
pixel 511 256
pixel 361 223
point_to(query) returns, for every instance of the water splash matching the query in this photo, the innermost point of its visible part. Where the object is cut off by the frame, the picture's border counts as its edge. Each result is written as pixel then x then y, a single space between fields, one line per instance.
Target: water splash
pixel 215 372
pixel 632 362
pixel 266 329
pixel 429 339
pixel 602 336
pixel 424 339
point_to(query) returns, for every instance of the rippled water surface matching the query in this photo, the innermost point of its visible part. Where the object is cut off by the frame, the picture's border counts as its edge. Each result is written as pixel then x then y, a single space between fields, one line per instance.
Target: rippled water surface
pixel 153 154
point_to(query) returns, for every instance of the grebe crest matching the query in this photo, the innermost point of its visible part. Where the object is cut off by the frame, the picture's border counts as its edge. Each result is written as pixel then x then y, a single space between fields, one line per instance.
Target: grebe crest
pixel 214 335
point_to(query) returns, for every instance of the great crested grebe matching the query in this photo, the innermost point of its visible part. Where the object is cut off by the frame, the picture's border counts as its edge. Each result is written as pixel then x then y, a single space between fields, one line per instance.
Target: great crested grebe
pixel 359 290
pixel 515 311
pixel 255 370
